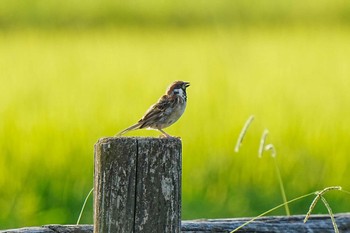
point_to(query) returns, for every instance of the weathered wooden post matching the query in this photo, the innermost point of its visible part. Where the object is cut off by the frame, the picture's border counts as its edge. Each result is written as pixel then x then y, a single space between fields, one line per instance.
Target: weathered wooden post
pixel 137 185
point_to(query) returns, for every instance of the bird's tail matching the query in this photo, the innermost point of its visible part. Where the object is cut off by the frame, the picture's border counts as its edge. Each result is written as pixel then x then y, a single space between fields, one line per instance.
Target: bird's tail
pixel 133 127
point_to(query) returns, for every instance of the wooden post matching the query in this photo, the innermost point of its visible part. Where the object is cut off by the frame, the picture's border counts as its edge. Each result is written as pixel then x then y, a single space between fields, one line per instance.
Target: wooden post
pixel 137 185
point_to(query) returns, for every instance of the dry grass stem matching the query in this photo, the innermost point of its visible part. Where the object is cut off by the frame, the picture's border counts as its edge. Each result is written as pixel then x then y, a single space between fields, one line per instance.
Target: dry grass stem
pixel 336 230
pixel 243 132
pixel 271 147
pixel 262 143
pixel 280 181
pixel 319 195
pixel 269 211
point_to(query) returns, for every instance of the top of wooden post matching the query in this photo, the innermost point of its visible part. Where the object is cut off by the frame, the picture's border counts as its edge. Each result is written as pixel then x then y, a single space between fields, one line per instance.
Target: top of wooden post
pixel 169 139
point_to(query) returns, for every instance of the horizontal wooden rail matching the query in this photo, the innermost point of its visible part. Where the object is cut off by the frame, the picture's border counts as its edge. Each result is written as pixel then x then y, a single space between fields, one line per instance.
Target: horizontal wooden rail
pixel 291 224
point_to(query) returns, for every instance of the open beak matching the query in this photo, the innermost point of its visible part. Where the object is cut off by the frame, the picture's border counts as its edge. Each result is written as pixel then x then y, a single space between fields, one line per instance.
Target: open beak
pixel 187 84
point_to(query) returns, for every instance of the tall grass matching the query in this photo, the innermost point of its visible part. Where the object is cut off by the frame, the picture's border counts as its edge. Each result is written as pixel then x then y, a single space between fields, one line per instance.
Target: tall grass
pixel 62 90
pixel 153 13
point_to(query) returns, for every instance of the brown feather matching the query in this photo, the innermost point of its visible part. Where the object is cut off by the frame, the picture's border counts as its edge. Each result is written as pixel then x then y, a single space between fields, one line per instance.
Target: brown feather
pixel 133 127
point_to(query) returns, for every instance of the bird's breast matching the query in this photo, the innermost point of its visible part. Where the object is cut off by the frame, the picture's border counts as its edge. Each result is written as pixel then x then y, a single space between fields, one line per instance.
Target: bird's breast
pixel 172 114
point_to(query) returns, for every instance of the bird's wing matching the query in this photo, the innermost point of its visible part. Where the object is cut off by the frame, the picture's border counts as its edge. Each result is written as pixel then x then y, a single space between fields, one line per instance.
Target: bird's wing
pixel 157 111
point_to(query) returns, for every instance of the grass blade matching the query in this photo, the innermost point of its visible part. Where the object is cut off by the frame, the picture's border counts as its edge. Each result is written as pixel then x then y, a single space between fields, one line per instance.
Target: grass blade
pixel 83 207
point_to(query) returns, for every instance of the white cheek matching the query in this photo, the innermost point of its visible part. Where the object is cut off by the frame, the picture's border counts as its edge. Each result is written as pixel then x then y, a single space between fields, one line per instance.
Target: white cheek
pixel 181 93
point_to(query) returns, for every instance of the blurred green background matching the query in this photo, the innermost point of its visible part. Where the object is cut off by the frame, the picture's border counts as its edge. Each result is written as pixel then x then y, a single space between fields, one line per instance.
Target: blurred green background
pixel 72 72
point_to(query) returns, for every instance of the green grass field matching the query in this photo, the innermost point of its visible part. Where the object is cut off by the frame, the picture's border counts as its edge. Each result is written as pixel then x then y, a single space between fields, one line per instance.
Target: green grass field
pixel 63 89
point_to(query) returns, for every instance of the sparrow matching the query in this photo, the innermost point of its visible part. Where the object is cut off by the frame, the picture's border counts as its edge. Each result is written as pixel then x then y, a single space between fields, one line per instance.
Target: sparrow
pixel 165 112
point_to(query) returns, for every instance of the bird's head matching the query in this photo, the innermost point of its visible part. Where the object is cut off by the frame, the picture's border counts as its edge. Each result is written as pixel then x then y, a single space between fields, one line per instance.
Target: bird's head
pixel 178 88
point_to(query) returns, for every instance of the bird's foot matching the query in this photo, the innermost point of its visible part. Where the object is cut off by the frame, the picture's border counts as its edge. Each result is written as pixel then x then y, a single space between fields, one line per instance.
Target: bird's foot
pixel 164 134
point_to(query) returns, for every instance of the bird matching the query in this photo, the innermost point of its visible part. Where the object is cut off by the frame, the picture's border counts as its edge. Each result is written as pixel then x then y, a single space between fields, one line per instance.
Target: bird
pixel 165 112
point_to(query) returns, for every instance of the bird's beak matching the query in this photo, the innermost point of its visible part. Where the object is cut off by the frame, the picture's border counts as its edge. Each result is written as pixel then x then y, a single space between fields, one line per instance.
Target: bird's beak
pixel 187 84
